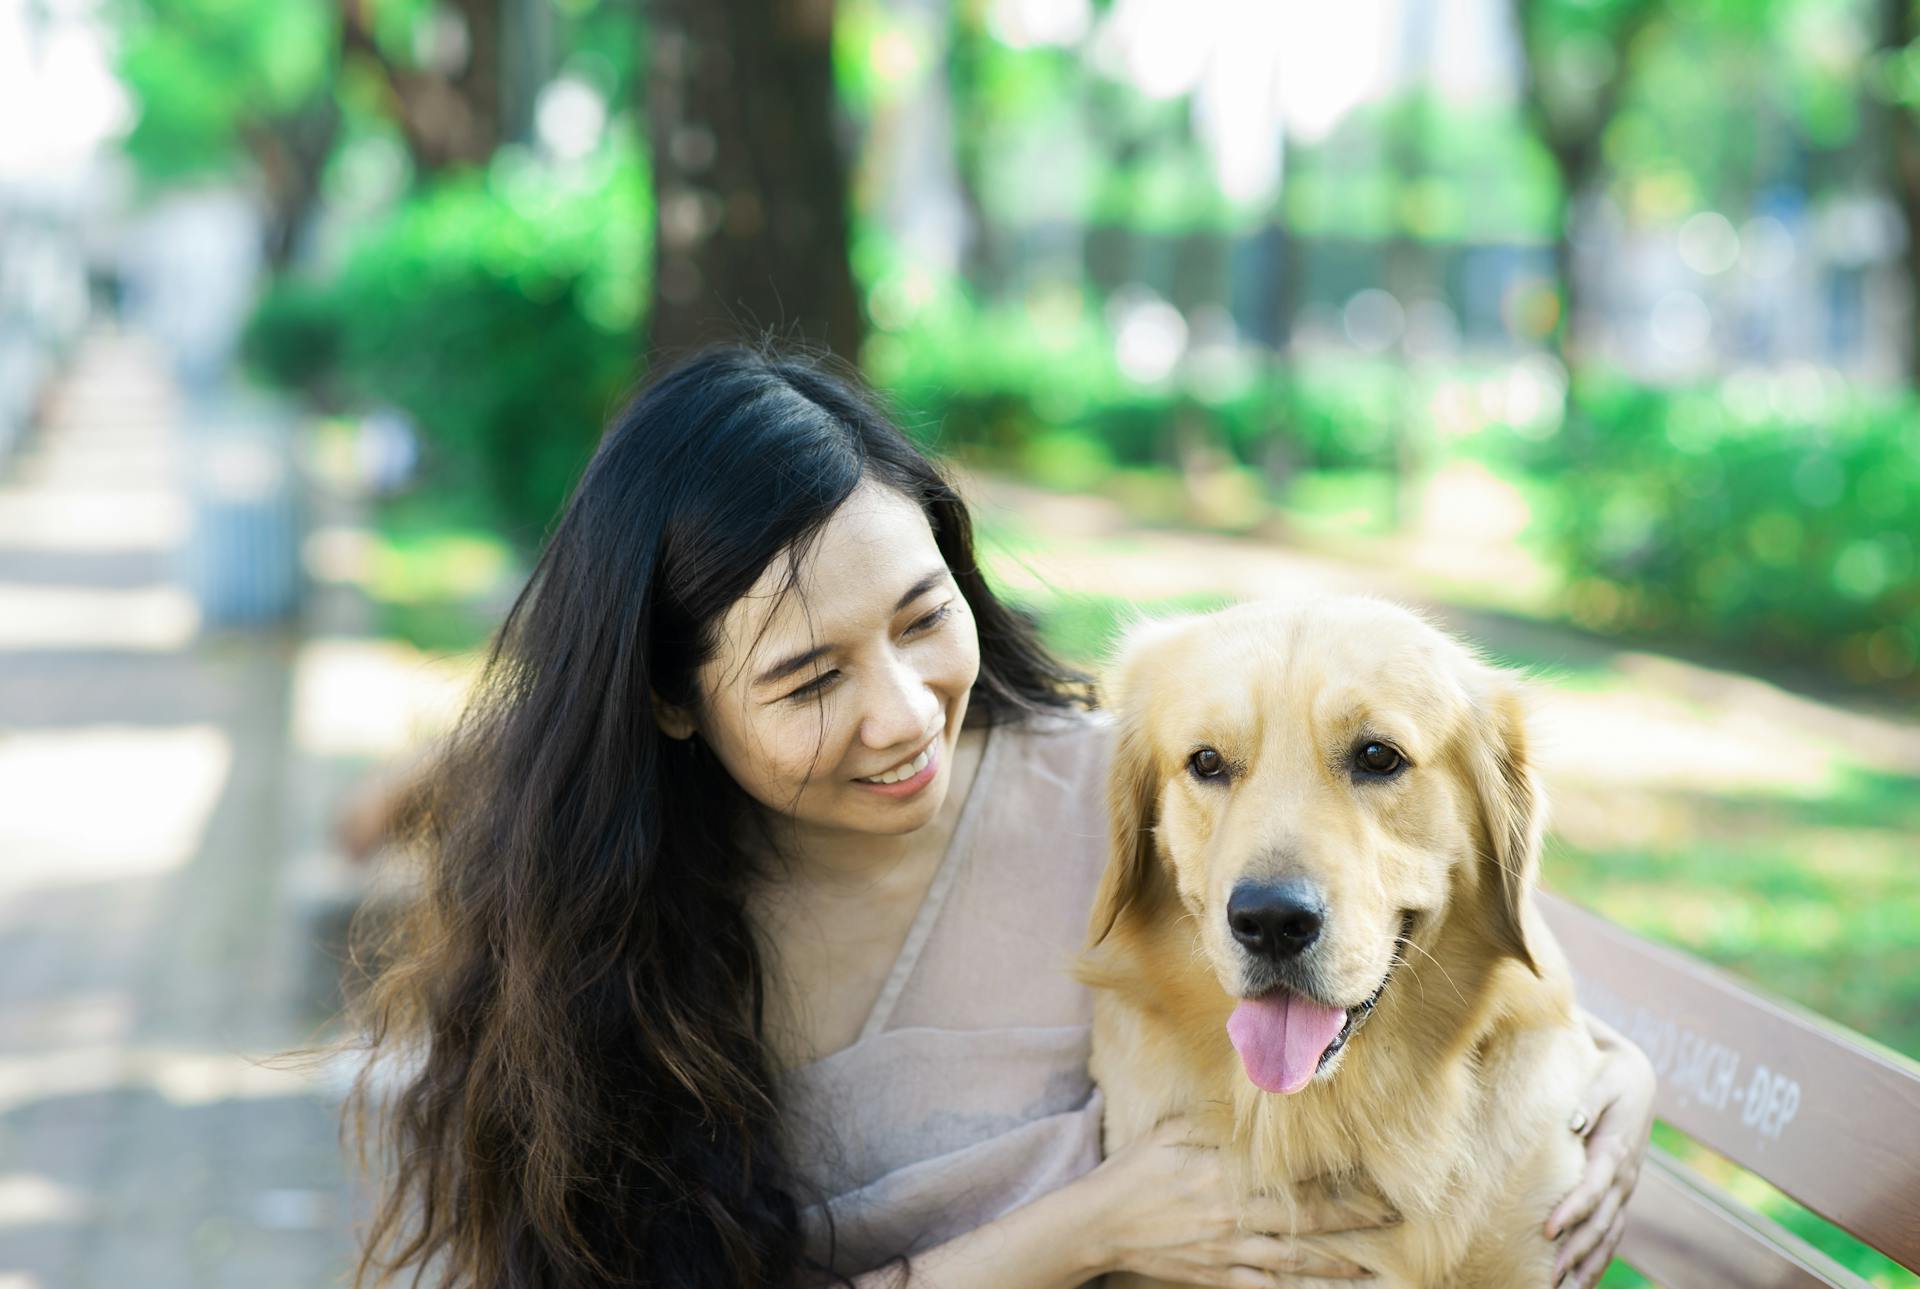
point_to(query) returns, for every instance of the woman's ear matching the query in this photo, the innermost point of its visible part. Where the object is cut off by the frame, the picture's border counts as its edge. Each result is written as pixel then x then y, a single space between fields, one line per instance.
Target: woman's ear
pixel 674 722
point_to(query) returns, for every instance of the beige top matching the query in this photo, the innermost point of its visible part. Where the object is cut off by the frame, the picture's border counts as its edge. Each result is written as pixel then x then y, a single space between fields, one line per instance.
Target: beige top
pixel 966 1094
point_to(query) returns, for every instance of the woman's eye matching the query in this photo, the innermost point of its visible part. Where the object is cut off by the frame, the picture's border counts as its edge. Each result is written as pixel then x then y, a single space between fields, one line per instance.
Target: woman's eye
pixel 1378 758
pixel 1207 763
pixel 814 686
pixel 932 620
pixel 826 678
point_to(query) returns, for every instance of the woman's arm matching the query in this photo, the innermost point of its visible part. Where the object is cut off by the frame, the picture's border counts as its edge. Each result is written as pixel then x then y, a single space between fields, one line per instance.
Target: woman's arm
pixel 1616 1118
pixel 1163 1207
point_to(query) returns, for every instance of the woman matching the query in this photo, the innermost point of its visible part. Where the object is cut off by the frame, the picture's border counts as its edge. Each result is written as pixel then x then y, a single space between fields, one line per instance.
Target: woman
pixel 753 872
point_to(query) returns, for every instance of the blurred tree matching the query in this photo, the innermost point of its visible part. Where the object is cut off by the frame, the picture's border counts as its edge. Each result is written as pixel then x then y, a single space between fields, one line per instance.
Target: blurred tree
pixel 1576 57
pixel 1411 265
pixel 1898 86
pixel 220 84
pixel 749 175
pixel 227 84
pixel 440 69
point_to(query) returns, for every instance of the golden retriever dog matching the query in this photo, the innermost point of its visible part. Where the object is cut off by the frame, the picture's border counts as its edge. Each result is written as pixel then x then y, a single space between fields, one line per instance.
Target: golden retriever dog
pixel 1315 933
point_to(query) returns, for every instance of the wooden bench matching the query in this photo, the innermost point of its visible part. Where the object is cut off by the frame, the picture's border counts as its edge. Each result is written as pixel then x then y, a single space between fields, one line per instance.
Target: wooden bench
pixel 1822 1116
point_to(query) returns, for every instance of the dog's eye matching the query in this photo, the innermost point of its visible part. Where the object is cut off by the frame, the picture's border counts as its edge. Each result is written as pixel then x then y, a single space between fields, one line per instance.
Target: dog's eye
pixel 1207 763
pixel 1378 758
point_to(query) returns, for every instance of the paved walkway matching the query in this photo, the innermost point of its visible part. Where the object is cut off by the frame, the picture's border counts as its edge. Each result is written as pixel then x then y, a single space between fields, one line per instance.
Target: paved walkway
pixel 153 947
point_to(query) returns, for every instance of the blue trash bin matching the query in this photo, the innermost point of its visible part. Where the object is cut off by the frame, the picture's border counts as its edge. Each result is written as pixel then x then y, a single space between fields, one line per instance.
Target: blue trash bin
pixel 242 553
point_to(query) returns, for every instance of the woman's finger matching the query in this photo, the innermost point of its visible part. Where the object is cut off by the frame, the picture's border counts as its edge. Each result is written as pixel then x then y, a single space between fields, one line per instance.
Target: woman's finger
pixel 1588 1236
pixel 1250 1278
pixel 1588 1274
pixel 1294 1257
pixel 1604 1153
pixel 1316 1209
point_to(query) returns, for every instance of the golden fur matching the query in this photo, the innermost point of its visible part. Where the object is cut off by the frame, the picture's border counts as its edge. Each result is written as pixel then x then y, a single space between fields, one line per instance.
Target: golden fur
pixel 1451 1101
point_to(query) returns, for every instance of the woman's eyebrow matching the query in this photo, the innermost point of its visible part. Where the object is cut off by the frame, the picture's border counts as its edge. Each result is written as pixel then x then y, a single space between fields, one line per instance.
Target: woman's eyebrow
pixel 920 588
pixel 787 667
pixel 781 670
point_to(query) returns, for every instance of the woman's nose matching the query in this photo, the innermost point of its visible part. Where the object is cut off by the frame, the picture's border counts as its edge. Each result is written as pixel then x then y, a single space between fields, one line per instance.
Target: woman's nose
pixel 904 708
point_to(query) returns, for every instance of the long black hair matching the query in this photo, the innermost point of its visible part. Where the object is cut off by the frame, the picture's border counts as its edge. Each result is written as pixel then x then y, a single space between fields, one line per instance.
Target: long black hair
pixel 592 1099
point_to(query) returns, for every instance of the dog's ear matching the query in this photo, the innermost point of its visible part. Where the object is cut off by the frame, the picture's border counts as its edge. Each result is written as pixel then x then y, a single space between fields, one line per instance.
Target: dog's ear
pixel 1133 784
pixel 1133 791
pixel 1512 811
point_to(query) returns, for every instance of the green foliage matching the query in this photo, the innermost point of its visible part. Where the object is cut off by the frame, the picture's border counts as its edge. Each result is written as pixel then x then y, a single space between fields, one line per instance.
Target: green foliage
pixel 1013 386
pixel 440 577
pixel 1164 186
pixel 1775 515
pixel 1478 175
pixel 1341 414
pixel 1083 628
pixel 203 73
pixel 499 311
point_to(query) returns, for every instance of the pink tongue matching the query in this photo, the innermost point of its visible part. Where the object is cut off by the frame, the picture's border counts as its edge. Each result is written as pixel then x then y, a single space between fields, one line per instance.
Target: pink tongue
pixel 1281 1037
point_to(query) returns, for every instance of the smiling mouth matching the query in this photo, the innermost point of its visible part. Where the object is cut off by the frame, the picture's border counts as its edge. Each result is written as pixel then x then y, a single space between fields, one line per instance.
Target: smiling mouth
pixel 1357 1016
pixel 907 768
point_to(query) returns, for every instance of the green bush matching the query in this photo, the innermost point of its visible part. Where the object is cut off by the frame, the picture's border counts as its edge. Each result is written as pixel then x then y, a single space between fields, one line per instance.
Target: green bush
pixel 499 310
pixel 1762 513
pixel 993 384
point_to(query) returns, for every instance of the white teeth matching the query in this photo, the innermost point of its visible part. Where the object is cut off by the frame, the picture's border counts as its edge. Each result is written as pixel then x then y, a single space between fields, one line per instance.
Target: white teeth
pixel 906 771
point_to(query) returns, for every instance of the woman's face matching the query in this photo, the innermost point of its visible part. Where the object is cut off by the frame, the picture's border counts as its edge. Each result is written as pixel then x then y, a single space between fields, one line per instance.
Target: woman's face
pixel 857 674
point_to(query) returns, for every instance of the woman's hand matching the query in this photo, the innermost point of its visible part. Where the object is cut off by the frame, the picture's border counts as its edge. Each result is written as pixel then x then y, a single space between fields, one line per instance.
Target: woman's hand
pixel 1172 1214
pixel 1616 1118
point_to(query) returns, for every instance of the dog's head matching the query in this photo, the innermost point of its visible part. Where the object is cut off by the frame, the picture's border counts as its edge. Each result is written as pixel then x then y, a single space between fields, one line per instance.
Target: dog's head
pixel 1323 785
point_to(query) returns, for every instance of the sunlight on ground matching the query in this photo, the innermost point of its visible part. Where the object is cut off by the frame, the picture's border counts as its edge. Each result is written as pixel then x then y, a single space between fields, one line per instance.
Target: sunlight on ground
pixel 1622 736
pixel 183 1076
pixel 340 554
pixel 163 785
pixel 94 1016
pixel 150 618
pixel 102 520
pixel 373 698
pixel 1467 534
pixel 29 1199
pixel 1631 750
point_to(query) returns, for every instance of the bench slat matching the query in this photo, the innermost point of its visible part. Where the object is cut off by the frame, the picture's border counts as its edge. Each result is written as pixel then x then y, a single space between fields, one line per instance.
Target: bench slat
pixel 1831 1122
pixel 1685 1233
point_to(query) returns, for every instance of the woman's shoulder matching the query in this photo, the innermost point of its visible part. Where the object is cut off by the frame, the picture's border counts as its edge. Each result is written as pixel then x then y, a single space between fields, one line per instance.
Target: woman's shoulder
pixel 1070 730
pixel 1062 751
pixel 1059 722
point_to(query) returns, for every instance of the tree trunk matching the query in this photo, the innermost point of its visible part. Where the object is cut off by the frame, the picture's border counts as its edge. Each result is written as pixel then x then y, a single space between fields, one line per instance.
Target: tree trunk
pixel 1563 339
pixel 1572 139
pixel 477 79
pixel 1903 143
pixel 449 116
pixel 291 152
pixel 749 179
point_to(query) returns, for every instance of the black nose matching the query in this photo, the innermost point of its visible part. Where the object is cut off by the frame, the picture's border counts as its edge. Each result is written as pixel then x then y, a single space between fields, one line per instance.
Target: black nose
pixel 1275 921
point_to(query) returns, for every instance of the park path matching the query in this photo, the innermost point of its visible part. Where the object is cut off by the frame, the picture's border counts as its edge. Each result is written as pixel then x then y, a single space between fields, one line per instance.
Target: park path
pixel 154 947
pixel 1639 748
